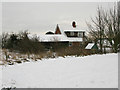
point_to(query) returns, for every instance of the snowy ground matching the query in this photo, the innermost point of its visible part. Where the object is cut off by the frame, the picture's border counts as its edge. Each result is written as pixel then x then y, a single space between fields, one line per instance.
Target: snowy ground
pixel 0 77
pixel 0 70
pixel 97 71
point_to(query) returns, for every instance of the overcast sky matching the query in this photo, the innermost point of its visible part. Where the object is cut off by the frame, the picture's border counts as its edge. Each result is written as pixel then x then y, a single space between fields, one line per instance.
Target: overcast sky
pixel 40 17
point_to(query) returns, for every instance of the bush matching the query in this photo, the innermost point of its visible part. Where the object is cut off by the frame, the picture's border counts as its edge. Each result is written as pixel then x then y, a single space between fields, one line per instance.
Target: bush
pixel 21 43
pixel 76 51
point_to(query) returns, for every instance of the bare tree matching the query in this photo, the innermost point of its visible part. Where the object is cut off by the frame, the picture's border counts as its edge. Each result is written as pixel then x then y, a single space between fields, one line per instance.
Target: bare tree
pixel 97 28
pixel 106 26
pixel 112 22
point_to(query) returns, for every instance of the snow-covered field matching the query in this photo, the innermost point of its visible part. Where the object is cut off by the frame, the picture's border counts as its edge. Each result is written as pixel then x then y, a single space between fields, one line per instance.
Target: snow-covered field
pixel 96 71
pixel 0 70
pixel 0 77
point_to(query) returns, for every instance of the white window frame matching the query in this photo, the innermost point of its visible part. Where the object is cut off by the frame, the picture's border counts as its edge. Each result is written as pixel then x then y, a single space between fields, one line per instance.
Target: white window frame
pixel 80 34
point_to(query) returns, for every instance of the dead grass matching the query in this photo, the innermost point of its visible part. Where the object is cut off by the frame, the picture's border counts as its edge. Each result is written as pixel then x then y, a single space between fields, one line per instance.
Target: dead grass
pixel 12 58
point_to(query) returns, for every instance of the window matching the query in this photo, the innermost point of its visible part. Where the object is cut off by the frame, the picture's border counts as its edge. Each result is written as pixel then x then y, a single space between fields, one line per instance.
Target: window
pixel 70 44
pixel 80 34
pixel 71 33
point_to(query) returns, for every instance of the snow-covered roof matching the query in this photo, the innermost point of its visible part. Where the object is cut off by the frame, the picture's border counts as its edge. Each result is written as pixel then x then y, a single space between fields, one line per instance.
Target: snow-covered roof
pixel 57 37
pixel 64 28
pixel 75 39
pixel 74 30
pixel 89 46
pixel 54 38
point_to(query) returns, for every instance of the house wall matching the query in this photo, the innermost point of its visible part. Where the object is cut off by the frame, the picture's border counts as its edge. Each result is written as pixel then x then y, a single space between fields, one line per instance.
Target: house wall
pixel 55 45
pixel 62 45
pixel 76 44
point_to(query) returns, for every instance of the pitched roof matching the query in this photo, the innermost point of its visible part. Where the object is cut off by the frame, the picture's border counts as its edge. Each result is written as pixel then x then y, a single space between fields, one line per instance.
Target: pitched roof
pixel 74 30
pixel 52 38
pixel 89 46
pixel 57 30
pixel 65 28
pixel 56 37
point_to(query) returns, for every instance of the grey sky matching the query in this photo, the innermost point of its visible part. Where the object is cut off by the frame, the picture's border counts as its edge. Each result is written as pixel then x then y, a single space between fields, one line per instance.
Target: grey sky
pixel 40 17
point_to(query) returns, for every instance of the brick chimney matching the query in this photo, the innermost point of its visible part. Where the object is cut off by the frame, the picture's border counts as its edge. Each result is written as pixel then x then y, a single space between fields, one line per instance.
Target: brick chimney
pixel 74 24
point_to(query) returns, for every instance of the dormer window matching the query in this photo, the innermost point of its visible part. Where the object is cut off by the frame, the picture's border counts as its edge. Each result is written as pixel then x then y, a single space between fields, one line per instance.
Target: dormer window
pixel 80 34
pixel 71 33
pixel 74 33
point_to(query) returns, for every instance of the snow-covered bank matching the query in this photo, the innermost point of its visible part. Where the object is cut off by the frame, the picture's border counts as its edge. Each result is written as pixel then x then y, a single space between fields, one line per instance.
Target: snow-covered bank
pixel 0 77
pixel 97 71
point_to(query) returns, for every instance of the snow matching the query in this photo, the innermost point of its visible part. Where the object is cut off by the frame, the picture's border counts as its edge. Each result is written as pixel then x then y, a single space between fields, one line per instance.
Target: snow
pixel 96 71
pixel 69 27
pixel 53 38
pixel 76 39
pixel 89 46
pixel 106 42
pixel 62 37
pixel 74 30
pixel 0 77
pixel 0 69
pixel 57 37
